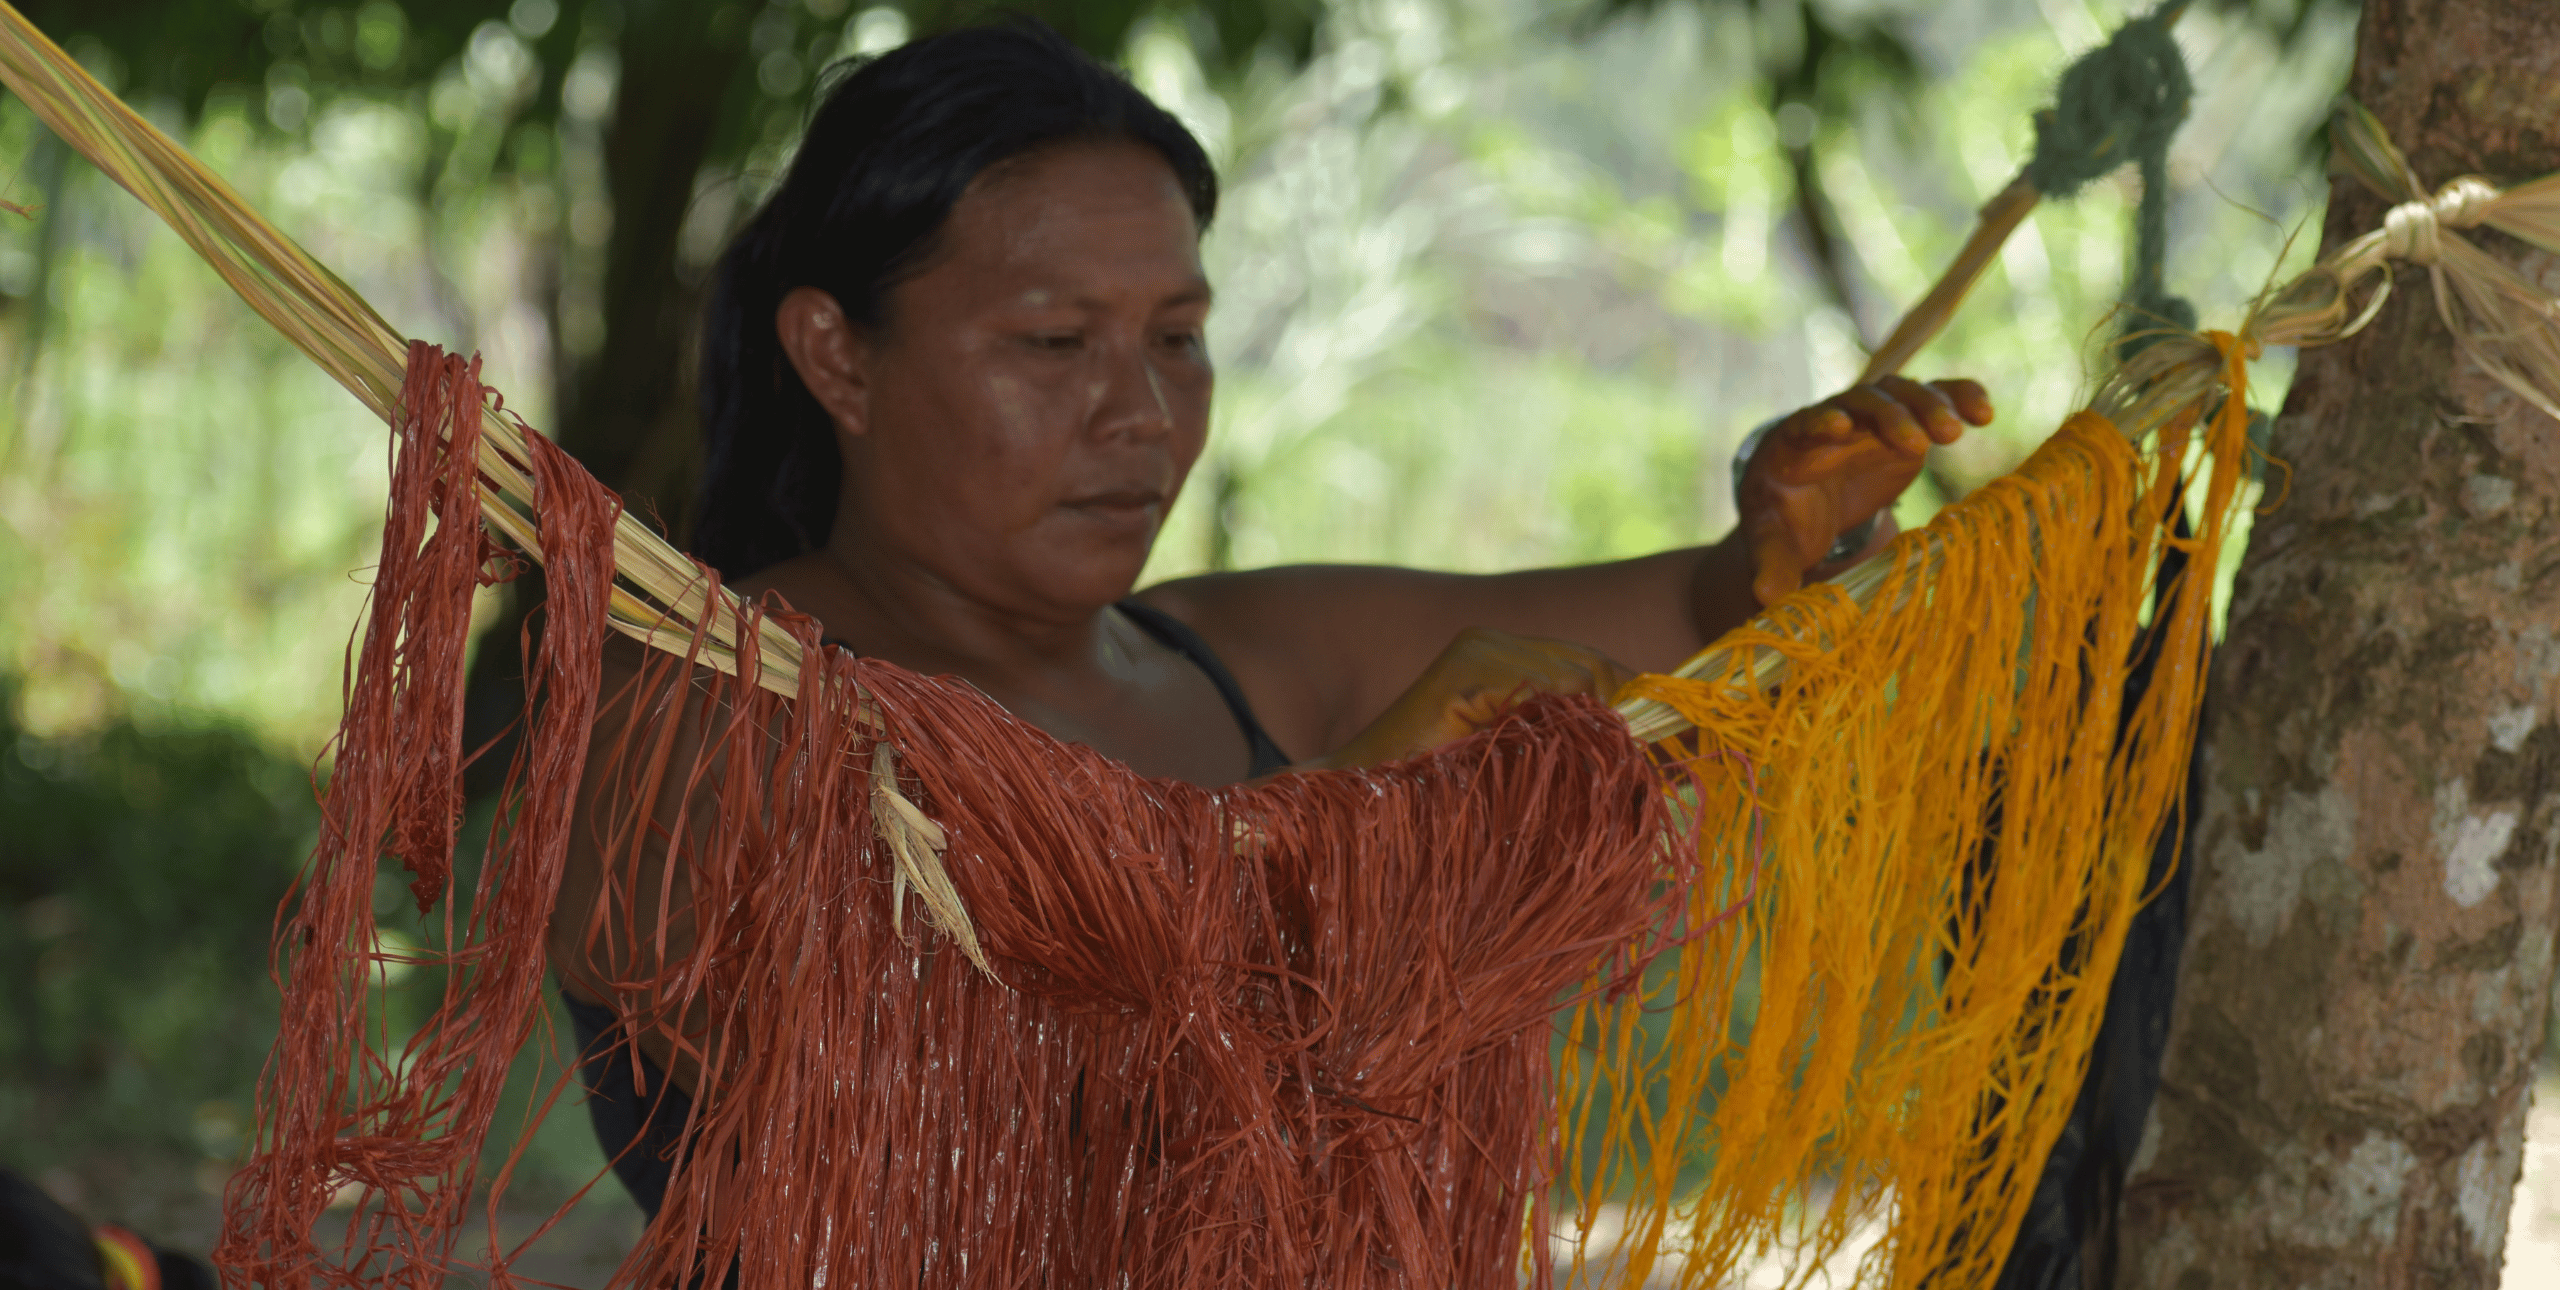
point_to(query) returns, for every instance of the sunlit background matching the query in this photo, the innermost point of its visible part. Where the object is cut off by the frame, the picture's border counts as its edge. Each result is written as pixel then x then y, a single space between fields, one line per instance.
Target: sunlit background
pixel 1500 283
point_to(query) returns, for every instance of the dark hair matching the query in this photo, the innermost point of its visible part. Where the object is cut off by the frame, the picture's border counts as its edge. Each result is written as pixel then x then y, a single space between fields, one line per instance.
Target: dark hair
pixel 888 153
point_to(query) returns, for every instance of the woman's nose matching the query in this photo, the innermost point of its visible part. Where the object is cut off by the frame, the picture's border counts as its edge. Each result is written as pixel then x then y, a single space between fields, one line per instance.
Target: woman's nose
pixel 1130 399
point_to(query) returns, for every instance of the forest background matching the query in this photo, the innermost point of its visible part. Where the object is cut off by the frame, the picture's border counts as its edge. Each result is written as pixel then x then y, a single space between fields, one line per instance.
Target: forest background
pixel 1501 283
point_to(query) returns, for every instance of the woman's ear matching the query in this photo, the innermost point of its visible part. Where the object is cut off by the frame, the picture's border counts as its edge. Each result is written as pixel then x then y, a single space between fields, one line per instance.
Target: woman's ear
pixel 831 356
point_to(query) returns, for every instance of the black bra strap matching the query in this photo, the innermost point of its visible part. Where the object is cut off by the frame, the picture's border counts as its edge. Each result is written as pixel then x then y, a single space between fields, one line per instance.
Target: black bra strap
pixel 1176 635
pixel 1264 756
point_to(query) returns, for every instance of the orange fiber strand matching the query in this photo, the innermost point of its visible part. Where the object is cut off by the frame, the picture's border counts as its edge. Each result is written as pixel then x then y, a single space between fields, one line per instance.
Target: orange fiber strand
pixel 1289 1034
pixel 335 1110
pixel 1884 1044
pixel 1293 1033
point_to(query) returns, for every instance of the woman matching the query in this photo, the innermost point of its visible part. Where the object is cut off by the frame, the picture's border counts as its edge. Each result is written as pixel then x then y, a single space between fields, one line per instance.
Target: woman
pixel 953 380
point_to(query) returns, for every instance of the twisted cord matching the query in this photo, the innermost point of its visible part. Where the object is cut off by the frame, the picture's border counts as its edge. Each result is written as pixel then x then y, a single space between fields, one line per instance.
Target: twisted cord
pixel 2506 323
pixel 2120 102
pixel 2124 101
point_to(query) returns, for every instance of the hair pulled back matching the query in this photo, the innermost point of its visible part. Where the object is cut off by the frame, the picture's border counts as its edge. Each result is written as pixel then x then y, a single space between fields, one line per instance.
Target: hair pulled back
pixel 889 152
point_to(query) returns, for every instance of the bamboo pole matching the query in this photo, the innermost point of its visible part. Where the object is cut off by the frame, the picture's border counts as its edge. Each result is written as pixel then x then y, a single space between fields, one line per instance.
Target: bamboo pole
pixel 660 594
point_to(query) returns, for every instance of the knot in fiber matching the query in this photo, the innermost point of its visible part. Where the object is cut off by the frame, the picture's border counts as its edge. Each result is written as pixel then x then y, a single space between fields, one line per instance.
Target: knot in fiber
pixel 2409 230
pixel 2120 102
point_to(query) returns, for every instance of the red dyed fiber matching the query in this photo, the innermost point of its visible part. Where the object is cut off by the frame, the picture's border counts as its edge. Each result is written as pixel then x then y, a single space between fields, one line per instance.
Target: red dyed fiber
pixel 1293 1034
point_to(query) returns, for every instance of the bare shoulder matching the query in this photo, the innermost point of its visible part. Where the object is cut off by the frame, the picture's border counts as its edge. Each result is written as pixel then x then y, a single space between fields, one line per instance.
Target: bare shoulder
pixel 1291 601
pixel 1312 644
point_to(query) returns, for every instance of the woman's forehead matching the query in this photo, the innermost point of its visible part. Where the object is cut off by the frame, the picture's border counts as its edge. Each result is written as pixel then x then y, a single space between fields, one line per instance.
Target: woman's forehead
pixel 1083 219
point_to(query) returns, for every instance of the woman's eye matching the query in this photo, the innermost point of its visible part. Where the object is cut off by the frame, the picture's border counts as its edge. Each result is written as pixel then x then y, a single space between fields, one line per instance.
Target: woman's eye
pixel 1058 341
pixel 1186 341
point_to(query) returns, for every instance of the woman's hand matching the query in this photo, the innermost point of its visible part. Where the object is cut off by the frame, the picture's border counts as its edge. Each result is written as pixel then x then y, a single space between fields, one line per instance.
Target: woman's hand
pixel 1824 469
pixel 1483 674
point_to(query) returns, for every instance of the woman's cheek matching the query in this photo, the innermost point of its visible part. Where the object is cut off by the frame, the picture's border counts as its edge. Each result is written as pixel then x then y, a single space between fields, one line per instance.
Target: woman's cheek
pixel 1189 392
pixel 1032 414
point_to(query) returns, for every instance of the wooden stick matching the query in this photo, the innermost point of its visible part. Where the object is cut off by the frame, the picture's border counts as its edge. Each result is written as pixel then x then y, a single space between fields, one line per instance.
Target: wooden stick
pixel 1999 219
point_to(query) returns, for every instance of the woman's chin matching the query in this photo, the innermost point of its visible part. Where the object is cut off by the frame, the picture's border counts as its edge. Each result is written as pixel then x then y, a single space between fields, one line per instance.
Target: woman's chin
pixel 1101 578
pixel 1100 558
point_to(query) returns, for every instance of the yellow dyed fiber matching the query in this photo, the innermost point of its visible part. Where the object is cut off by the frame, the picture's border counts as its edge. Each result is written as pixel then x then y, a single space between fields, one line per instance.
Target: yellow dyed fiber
pixel 1890 1024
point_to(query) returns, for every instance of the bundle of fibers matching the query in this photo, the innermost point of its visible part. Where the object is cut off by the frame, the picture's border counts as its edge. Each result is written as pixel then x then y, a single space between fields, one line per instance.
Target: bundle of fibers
pixel 1282 1035
pixel 410 1120
pixel 1888 1030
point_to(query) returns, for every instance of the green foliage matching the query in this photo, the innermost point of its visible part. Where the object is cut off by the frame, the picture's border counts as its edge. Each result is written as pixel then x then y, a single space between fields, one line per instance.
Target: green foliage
pixel 298 52
pixel 185 52
pixel 185 503
pixel 139 881
pixel 1583 271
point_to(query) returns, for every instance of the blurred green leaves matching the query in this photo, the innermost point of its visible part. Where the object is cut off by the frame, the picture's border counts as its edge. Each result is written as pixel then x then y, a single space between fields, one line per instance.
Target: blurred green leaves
pixel 186 506
pixel 142 866
pixel 139 880
pixel 527 55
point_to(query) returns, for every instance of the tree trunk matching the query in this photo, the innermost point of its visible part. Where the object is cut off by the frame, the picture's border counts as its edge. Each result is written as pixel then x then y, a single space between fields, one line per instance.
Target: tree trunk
pixel 2370 948
pixel 626 414
pixel 625 411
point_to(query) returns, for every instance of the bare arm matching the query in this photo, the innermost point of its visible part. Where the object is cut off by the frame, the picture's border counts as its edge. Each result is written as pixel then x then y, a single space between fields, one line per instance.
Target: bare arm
pixel 1324 650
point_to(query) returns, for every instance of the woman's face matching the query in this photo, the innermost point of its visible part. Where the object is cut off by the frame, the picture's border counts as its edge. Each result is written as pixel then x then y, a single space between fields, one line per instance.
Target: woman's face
pixel 1039 391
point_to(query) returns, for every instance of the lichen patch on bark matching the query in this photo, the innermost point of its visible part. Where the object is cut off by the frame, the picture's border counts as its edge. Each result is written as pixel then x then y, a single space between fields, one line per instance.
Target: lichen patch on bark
pixel 2470 842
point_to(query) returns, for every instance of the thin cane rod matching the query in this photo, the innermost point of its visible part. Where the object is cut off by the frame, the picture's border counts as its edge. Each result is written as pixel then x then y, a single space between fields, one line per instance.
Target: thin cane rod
pixel 1999 219
pixel 661 596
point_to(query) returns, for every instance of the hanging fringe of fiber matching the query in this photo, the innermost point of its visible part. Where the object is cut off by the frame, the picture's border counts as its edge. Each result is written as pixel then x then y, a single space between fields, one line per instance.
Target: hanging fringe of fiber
pixel 1892 1031
pixel 1283 1035
pixel 344 1107
pixel 1887 1039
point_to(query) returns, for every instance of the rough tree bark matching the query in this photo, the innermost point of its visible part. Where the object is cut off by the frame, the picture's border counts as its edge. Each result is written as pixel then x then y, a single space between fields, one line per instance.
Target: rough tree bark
pixel 2370 953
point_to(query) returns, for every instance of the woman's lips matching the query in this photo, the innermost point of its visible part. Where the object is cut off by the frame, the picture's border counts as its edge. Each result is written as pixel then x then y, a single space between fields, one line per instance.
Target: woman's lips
pixel 1132 507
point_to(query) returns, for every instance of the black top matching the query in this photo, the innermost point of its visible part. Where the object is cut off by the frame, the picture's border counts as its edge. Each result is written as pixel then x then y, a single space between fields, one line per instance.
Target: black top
pixel 641 1136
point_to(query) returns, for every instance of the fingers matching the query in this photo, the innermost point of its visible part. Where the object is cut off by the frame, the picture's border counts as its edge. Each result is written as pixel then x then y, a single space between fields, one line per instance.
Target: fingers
pixel 1479 678
pixel 1832 465
pixel 1932 406
pixel 1776 570
pixel 1969 399
pixel 1904 414
pixel 1823 423
pixel 1510 668
pixel 1888 418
